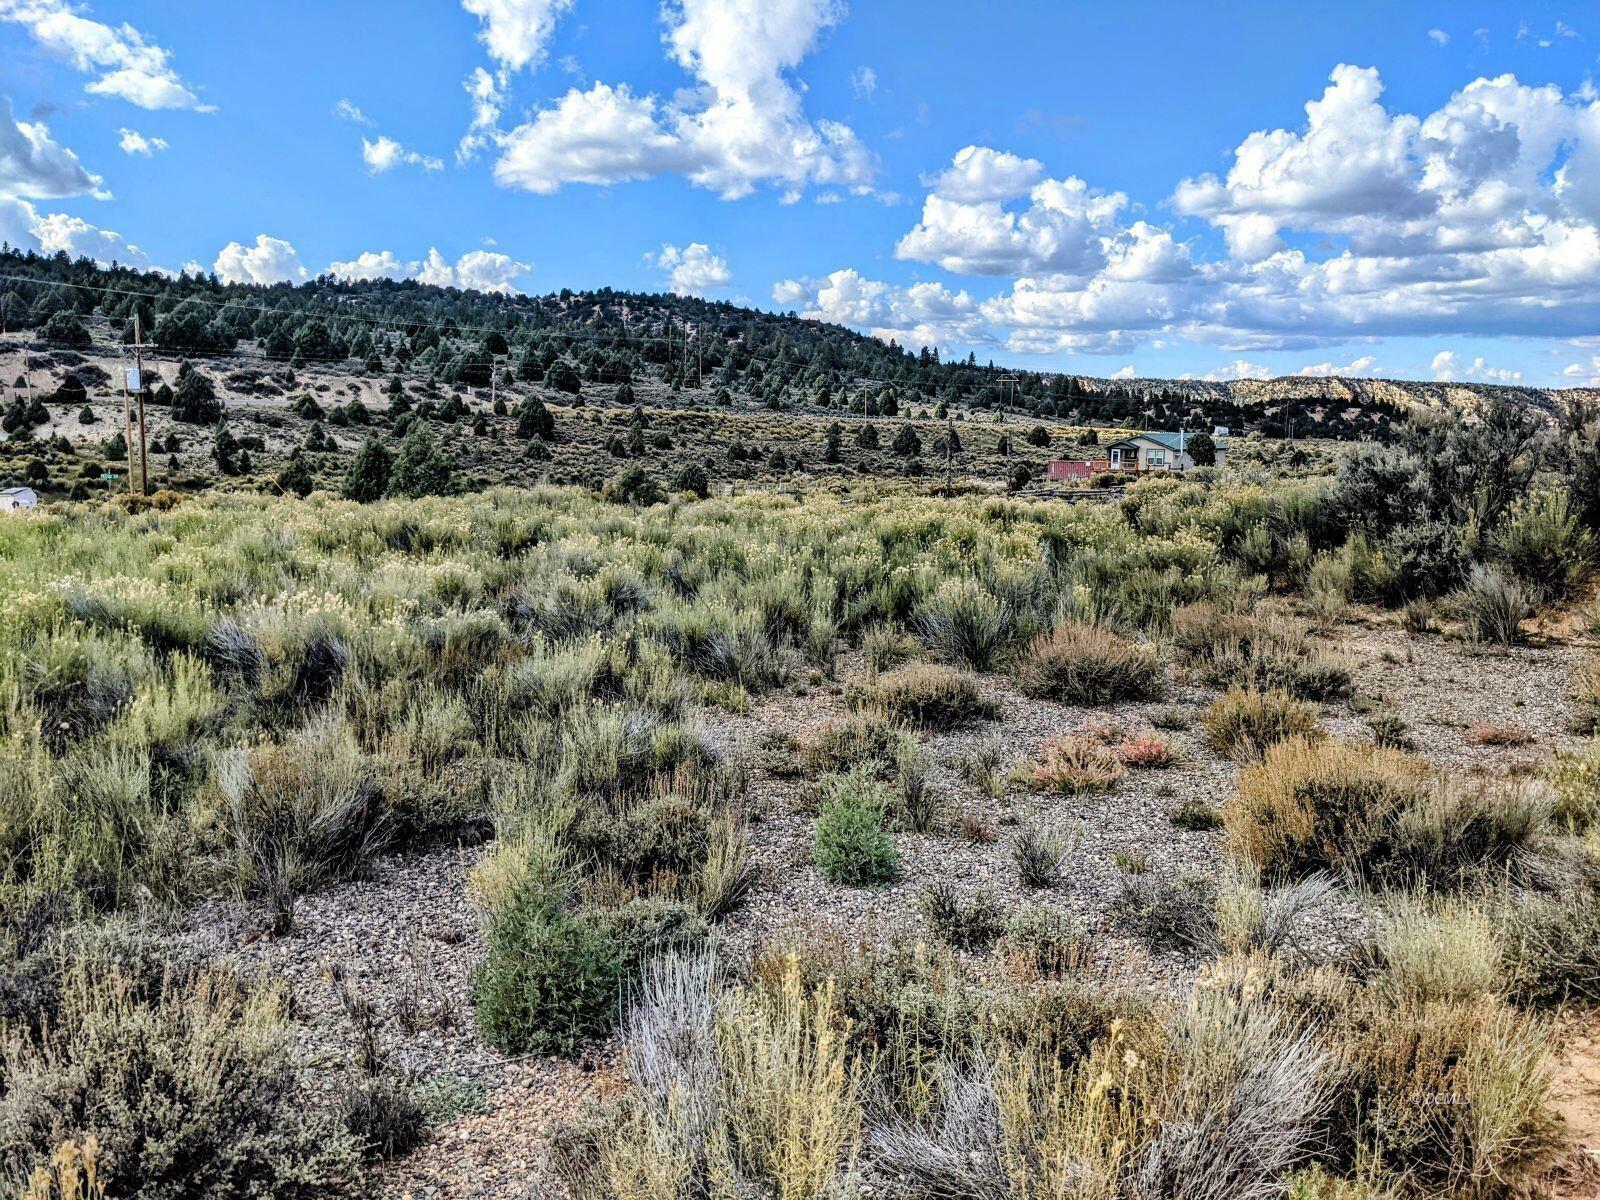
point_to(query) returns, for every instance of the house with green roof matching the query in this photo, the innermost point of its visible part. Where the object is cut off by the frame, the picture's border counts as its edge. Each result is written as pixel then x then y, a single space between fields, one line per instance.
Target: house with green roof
pixel 1158 450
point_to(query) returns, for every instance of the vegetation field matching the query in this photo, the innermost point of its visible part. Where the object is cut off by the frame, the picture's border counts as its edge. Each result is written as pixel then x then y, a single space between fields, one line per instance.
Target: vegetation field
pixel 499 758
pixel 1234 838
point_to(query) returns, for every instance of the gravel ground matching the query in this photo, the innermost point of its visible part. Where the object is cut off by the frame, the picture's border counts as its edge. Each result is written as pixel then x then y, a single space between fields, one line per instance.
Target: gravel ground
pixel 408 939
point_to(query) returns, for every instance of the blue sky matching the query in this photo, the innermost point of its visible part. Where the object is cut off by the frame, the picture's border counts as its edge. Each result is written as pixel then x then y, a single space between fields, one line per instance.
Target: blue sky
pixel 1134 188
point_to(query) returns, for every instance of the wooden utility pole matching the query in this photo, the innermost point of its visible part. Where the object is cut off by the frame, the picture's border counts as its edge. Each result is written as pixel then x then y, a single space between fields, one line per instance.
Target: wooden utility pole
pixel 127 427
pixel 144 445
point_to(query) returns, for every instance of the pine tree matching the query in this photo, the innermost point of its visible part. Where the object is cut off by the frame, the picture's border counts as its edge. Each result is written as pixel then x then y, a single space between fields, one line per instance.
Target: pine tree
pixel 534 421
pixel 421 468
pixel 368 477
pixel 906 443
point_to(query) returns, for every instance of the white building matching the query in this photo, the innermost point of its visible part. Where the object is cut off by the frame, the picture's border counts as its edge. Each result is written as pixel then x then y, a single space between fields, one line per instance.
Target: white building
pixel 17 497
pixel 1159 451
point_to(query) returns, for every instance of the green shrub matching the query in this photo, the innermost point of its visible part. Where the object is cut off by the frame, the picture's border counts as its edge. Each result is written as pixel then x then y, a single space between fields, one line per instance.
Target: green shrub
pixel 1082 664
pixel 1494 607
pixel 1047 942
pixel 866 740
pixel 1243 724
pixel 962 924
pixel 1196 816
pixel 926 696
pixel 187 1084
pixel 1545 546
pixel 383 1115
pixel 851 845
pixel 965 623
pixel 1038 859
pixel 550 977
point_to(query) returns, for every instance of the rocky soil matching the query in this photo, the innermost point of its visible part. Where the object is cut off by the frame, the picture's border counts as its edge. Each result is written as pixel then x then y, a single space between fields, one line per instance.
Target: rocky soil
pixel 407 940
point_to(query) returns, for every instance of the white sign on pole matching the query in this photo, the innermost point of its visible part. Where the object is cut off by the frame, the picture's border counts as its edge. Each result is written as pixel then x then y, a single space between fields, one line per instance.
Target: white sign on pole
pixel 133 379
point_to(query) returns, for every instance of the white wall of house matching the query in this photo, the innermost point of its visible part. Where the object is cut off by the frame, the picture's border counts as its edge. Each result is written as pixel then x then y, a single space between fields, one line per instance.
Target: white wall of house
pixel 18 498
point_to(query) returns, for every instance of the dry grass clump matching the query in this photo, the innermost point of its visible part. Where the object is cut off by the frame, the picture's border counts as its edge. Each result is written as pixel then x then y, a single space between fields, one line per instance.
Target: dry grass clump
pixel 1243 724
pixel 1083 664
pixel 1077 764
pixel 867 740
pixel 925 696
pixel 1378 814
pixel 1575 776
pixel 738 1087
pixel 1230 649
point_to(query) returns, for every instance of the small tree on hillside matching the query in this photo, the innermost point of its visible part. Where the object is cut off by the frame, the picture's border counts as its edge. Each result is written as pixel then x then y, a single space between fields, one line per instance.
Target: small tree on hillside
pixel 906 443
pixel 368 477
pixel 421 468
pixel 534 421
pixel 564 378
pixel 194 400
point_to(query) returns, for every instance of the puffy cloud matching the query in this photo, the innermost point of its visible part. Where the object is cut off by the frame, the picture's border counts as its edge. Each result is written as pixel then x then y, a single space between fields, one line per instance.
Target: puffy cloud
pixel 374 264
pixel 270 260
pixel 1366 365
pixel 133 142
pixel 48 233
pixel 516 32
pixel 743 126
pixel 1066 228
pixel 477 270
pixel 385 154
pixel 1583 374
pixel 1447 368
pixel 34 166
pixel 979 174
pixel 924 314
pixel 1237 369
pixel 693 270
pixel 1482 217
pixel 1126 372
pixel 1439 36
pixel 602 136
pixel 863 83
pixel 127 65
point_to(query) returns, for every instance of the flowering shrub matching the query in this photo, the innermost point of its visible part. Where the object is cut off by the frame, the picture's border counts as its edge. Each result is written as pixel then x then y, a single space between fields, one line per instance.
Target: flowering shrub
pixel 1077 764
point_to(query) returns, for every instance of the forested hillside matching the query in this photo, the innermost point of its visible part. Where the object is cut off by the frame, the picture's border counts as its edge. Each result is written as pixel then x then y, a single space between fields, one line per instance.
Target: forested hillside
pixel 565 341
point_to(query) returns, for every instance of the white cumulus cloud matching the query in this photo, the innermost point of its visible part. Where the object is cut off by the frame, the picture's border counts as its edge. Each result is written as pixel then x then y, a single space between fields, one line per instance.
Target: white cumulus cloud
pixel 22 225
pixel 478 270
pixel 385 154
pixel 924 314
pixel 269 260
pixel 126 64
pixel 693 270
pixel 133 142
pixel 516 32
pixel 34 166
pixel 1365 365
pixel 742 127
